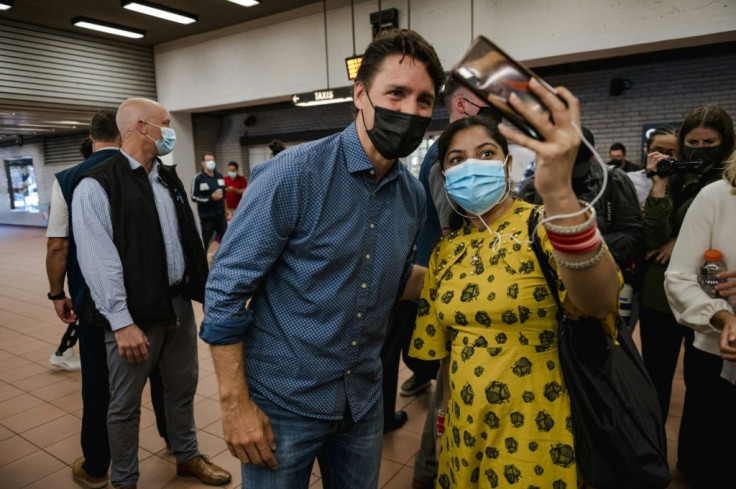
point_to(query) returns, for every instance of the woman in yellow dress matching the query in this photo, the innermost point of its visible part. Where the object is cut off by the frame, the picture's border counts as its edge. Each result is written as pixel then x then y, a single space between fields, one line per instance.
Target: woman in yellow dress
pixel 487 313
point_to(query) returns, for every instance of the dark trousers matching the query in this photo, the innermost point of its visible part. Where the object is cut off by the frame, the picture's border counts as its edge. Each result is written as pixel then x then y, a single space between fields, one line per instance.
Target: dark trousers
pixel 211 225
pixel 707 424
pixel 661 340
pixel 96 398
pixel 398 336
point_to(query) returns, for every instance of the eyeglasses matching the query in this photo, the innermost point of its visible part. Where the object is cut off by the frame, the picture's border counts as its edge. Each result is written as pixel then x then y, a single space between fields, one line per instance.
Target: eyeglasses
pixel 474 105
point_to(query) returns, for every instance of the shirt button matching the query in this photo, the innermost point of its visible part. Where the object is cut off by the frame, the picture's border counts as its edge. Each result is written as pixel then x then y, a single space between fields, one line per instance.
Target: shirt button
pixel 372 172
pixel 359 315
pixel 348 371
pixel 367 256
pixel 363 285
pixel 373 225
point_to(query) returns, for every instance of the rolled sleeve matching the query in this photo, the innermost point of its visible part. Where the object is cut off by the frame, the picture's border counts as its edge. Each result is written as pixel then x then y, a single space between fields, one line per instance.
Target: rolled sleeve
pixel 254 240
pixel 215 333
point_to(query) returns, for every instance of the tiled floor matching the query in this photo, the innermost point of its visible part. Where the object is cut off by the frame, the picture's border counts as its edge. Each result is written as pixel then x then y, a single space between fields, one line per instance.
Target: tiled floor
pixel 40 408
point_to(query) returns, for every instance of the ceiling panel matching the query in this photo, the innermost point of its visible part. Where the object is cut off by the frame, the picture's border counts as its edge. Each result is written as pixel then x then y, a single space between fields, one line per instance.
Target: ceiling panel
pixel 39 118
pixel 212 14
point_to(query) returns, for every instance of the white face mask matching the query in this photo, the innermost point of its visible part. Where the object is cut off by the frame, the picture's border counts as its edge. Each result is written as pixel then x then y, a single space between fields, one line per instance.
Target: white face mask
pixel 210 164
pixel 232 174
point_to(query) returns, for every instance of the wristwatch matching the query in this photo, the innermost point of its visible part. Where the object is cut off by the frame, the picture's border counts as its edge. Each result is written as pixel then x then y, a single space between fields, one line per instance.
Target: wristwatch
pixel 61 295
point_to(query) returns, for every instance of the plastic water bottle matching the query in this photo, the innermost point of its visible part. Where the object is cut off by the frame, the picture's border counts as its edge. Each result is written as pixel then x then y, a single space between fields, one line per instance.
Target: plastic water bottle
pixel 712 265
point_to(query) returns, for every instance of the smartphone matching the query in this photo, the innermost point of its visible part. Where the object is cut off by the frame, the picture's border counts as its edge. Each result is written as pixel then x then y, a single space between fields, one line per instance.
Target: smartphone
pixel 493 75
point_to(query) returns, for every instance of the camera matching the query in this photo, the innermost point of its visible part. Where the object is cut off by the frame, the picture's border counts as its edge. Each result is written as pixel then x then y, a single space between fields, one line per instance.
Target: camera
pixel 668 167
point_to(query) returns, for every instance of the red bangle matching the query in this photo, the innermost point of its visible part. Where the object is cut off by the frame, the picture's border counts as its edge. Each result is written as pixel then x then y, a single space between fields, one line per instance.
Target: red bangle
pixel 581 246
pixel 440 422
pixel 571 238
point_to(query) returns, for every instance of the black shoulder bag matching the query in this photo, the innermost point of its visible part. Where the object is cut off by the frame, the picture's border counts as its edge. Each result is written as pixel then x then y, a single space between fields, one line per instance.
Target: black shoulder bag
pixel 618 430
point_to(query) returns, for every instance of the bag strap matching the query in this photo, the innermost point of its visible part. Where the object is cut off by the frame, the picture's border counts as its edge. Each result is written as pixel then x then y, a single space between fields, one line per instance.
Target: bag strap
pixel 549 274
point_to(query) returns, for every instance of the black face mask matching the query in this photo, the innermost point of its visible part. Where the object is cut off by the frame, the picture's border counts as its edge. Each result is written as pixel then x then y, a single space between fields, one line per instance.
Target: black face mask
pixel 710 155
pixel 396 134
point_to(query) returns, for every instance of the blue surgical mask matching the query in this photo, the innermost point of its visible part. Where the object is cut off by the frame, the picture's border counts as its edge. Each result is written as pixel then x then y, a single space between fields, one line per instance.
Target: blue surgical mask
pixel 210 164
pixel 476 185
pixel 166 144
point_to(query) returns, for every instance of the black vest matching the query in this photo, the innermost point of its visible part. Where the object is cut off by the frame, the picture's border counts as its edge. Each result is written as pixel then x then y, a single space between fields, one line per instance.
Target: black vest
pixel 139 241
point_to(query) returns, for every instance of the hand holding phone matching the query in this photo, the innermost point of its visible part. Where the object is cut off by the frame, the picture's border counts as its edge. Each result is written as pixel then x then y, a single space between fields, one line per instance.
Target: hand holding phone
pixel 493 75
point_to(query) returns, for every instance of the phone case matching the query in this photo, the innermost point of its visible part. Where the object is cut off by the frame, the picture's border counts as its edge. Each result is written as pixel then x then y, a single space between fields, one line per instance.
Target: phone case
pixel 493 75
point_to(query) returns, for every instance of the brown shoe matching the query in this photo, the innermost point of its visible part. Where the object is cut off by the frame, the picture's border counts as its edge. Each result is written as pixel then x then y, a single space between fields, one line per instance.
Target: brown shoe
pixel 83 478
pixel 204 470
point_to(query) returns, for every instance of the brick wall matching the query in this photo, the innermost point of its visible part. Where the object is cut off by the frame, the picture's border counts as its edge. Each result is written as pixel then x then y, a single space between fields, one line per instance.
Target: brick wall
pixel 206 129
pixel 278 120
pixel 660 92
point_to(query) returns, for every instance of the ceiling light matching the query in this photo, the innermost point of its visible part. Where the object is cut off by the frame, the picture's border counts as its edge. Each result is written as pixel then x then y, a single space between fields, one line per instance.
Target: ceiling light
pixel 66 123
pixel 107 27
pixel 6 4
pixel 159 11
pixel 246 3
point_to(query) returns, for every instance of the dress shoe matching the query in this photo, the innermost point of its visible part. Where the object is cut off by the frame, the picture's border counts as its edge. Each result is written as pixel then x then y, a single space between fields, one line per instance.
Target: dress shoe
pixel 82 477
pixel 395 422
pixel 204 470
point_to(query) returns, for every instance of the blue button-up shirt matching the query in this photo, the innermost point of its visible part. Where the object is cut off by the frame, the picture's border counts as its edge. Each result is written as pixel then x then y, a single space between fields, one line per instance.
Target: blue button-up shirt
pixel 324 251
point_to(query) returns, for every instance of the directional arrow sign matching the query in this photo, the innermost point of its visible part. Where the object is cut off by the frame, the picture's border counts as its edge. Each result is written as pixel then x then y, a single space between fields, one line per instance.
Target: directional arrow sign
pixel 326 96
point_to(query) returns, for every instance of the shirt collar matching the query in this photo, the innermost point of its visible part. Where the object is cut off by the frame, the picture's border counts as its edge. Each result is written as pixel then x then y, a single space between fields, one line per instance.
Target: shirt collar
pixel 134 164
pixel 357 161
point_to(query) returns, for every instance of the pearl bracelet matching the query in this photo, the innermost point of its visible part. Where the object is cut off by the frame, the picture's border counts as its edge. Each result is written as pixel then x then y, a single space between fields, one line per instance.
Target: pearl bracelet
pixel 578 228
pixel 580 265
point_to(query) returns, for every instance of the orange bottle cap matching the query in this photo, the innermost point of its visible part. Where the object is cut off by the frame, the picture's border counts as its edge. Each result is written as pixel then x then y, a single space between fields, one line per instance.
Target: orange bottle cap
pixel 713 255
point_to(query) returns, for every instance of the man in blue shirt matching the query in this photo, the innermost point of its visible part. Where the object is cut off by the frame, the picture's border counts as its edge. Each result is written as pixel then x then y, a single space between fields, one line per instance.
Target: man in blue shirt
pixel 297 301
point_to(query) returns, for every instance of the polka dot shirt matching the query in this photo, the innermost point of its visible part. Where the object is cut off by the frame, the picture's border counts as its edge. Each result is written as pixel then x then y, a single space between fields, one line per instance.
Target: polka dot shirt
pixel 323 251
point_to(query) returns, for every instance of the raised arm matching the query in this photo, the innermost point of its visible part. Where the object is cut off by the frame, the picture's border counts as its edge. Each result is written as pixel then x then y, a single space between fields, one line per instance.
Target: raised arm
pixel 594 287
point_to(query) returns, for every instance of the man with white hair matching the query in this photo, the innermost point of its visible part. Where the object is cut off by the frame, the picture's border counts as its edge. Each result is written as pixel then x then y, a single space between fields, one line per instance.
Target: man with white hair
pixel 143 260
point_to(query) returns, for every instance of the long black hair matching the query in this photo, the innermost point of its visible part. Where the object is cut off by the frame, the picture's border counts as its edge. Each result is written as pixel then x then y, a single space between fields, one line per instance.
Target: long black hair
pixel 443 146
pixel 491 127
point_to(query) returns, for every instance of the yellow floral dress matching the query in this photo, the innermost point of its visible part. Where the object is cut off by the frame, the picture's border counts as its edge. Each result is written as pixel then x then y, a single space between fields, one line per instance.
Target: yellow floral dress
pixel 489 308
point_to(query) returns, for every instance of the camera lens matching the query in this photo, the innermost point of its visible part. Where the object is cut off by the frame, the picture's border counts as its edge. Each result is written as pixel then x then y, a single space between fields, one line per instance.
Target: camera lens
pixel 664 167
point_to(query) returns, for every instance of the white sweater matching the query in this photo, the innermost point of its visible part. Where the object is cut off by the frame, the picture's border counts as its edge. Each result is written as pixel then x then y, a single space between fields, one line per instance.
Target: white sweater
pixel 710 223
